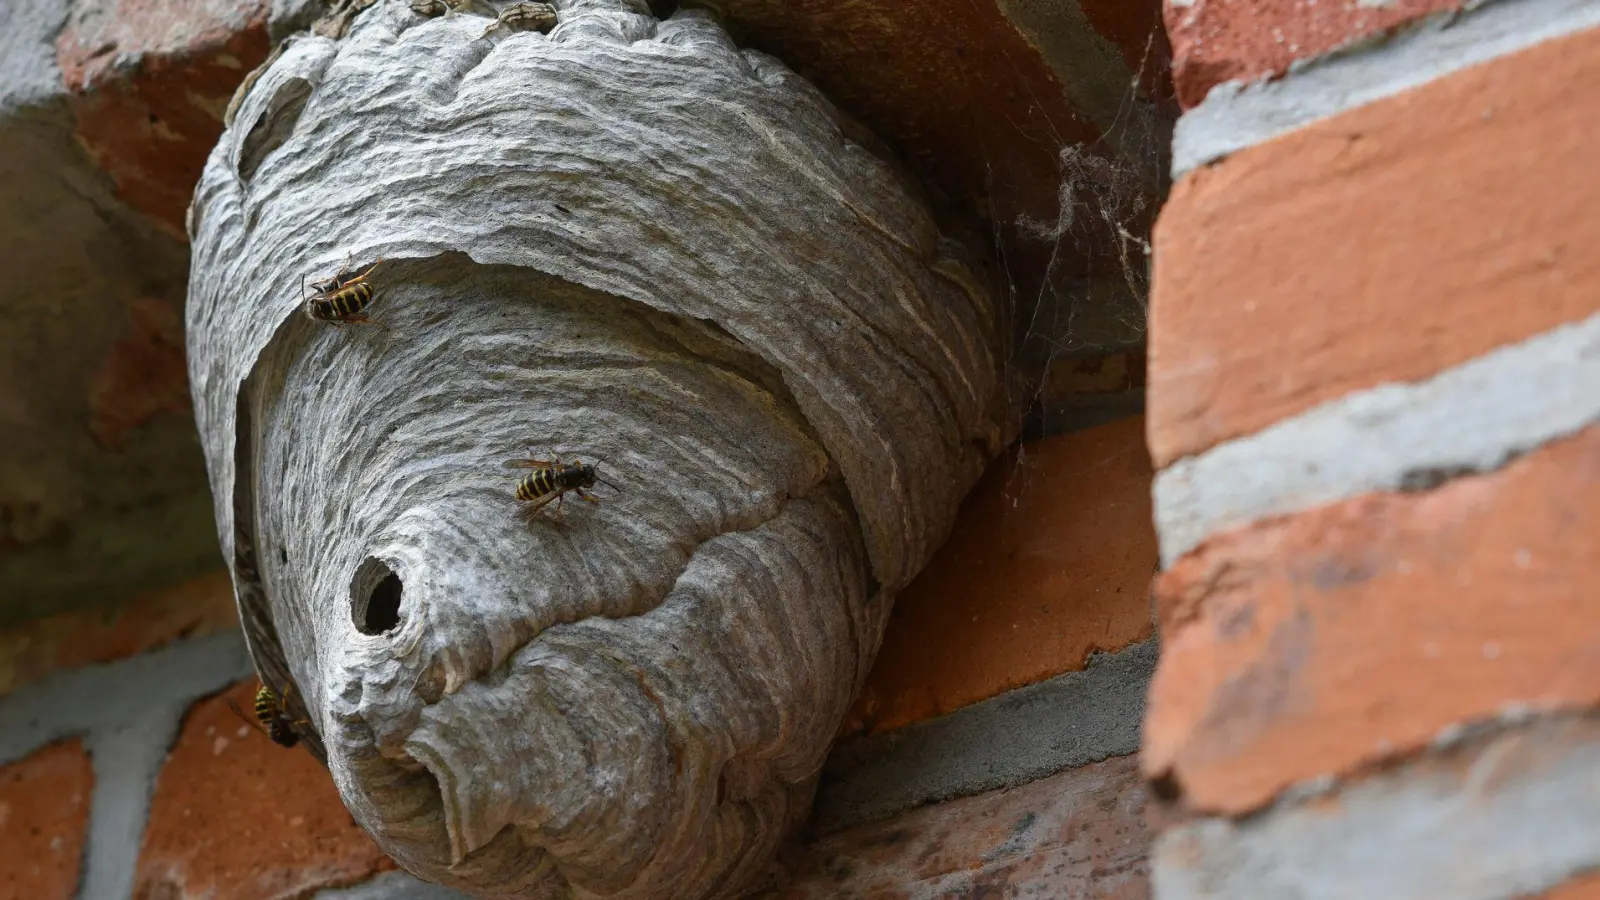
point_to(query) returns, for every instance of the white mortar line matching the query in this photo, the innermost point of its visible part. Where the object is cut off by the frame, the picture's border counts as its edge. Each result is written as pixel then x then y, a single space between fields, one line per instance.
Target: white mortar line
pixel 1510 816
pixel 1472 417
pixel 1236 115
pixel 128 712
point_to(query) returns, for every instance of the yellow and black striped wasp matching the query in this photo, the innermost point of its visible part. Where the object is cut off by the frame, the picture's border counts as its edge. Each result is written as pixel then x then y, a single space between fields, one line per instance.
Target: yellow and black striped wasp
pixel 553 480
pixel 342 298
pixel 275 720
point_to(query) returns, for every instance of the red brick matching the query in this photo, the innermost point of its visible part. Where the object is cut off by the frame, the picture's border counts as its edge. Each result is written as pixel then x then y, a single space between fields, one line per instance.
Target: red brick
pixel 1582 887
pixel 954 87
pixel 1078 834
pixel 1384 244
pixel 1214 41
pixel 236 817
pixel 149 81
pixel 1319 643
pixel 1050 560
pixel 144 377
pixel 143 623
pixel 44 813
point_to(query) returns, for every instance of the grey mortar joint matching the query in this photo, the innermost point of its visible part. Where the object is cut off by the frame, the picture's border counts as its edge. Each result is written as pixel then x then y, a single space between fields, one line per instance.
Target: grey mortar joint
pixel 1022 735
pixel 1471 418
pixel 128 713
pixel 1237 115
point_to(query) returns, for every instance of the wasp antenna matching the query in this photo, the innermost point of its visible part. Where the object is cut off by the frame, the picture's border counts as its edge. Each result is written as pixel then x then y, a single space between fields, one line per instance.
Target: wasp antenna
pixel 609 484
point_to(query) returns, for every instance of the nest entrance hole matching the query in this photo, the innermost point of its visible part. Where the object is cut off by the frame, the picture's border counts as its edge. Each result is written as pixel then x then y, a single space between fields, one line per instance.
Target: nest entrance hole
pixel 375 598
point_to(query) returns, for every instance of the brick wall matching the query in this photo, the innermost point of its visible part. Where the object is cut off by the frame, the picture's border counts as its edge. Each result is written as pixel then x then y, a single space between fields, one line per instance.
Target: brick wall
pixel 1374 383
pixel 1374 390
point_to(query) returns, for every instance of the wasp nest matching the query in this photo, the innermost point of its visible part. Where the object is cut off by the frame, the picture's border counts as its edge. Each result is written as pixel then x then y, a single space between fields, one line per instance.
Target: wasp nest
pixel 624 242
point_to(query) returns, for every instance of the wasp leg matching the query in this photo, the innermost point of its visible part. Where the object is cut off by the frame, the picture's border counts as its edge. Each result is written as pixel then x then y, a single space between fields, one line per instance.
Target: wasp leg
pixel 358 319
pixel 361 277
pixel 585 495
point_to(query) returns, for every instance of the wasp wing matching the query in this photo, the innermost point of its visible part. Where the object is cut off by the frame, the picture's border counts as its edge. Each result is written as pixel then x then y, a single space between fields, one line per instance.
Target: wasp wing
pixel 248 720
pixel 532 509
pixel 529 464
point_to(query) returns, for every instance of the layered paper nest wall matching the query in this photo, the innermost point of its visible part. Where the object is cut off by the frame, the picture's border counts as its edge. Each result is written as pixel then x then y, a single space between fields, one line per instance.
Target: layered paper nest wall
pixel 625 241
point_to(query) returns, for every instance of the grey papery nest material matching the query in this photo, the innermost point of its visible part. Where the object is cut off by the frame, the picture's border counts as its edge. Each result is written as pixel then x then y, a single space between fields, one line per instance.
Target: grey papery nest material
pixel 629 242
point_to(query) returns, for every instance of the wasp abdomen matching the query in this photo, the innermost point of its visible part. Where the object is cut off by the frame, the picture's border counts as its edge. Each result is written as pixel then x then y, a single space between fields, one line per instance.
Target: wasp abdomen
pixel 545 481
pixel 269 711
pixel 342 297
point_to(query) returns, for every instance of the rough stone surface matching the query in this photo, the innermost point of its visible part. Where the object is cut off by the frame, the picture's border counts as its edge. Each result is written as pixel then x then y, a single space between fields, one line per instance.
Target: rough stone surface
pixel 1273 672
pixel 1028 733
pixel 236 817
pixel 1301 238
pixel 148 82
pixel 194 609
pixel 44 814
pixel 791 389
pixel 1497 817
pixel 1079 834
pixel 85 362
pixel 1238 115
pixel 1470 418
pixel 1225 40
pixel 1050 560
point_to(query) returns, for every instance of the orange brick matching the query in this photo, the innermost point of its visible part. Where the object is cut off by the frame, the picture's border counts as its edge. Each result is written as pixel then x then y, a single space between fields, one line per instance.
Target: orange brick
pixel 1222 40
pixel 144 623
pixel 1315 644
pixel 1582 887
pixel 1050 560
pixel 236 817
pixel 44 812
pixel 1384 244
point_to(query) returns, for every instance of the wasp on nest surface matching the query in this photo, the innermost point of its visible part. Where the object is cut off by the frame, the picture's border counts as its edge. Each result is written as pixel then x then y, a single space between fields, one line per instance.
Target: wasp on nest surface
pixel 552 480
pixel 342 298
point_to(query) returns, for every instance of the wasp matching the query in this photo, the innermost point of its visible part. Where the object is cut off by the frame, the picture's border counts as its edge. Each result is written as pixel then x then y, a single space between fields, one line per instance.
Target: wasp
pixel 553 480
pixel 524 17
pixel 341 299
pixel 274 718
pixel 433 8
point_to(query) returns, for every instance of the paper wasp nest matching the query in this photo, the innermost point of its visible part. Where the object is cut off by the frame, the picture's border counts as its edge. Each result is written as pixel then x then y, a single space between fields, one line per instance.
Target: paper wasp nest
pixel 625 241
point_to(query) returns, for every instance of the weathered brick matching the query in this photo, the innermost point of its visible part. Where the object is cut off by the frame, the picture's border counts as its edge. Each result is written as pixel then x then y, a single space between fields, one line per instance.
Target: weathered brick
pixel 1384 244
pixel 1079 834
pixel 141 624
pixel 902 68
pixel 144 376
pixel 1581 887
pixel 1049 561
pixel 149 81
pixel 44 812
pixel 1223 40
pixel 1315 644
pixel 236 817
pixel 1492 815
